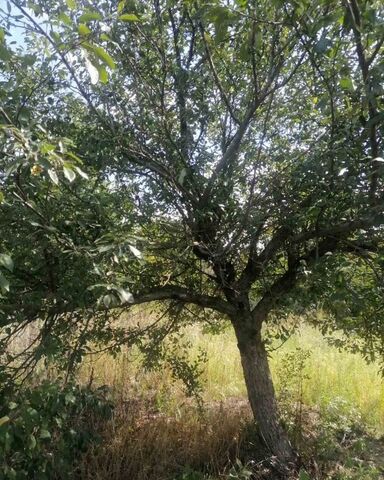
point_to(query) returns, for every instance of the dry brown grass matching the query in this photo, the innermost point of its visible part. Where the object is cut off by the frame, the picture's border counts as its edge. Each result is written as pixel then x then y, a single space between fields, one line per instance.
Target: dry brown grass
pixel 157 434
pixel 140 443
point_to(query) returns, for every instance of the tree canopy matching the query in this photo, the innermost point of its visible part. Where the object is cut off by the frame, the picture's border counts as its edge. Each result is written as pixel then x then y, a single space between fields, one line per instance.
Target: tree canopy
pixel 213 156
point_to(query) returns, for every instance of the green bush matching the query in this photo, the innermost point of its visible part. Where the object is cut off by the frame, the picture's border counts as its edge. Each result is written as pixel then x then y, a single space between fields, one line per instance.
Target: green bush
pixel 43 429
pixel 341 426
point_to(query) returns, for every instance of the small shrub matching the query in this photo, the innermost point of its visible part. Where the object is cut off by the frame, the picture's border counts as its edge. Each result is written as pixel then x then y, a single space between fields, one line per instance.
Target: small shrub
pixel 43 429
pixel 291 374
pixel 239 471
pixel 340 427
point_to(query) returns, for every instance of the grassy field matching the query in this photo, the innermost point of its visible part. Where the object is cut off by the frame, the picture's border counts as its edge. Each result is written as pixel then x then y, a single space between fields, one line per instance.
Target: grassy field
pixel 159 433
pixel 328 373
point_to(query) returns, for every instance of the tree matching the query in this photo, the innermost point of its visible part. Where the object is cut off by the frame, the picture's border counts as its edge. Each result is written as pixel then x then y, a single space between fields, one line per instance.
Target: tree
pixel 234 147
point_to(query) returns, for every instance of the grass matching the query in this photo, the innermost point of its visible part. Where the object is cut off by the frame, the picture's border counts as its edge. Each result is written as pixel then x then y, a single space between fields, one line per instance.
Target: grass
pixel 142 443
pixel 332 404
pixel 158 433
pixel 333 374
pixel 329 373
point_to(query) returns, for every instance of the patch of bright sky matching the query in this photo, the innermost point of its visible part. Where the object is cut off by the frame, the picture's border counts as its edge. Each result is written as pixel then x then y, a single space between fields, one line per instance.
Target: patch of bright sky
pixel 17 25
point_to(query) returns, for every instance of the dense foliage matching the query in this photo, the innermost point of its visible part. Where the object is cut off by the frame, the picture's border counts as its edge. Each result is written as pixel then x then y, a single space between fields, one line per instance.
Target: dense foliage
pixel 45 430
pixel 221 155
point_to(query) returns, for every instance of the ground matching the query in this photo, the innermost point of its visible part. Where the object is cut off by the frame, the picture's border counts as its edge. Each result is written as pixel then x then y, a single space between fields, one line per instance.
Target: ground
pixel 332 406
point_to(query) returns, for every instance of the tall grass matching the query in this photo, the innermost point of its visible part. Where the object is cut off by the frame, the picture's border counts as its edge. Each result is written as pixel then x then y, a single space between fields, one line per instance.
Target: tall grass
pixel 158 433
pixel 330 374
pixel 327 399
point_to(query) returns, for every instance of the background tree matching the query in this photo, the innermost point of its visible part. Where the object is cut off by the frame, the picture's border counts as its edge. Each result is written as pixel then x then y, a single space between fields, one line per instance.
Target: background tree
pixel 233 153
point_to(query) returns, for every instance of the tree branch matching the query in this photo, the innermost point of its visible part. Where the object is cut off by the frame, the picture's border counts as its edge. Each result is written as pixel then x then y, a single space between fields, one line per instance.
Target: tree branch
pixel 232 151
pixel 174 292
pixel 364 64
pixel 217 79
pixel 344 228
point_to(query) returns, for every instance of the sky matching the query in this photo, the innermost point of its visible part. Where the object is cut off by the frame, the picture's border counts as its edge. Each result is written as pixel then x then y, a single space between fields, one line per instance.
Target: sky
pixel 16 29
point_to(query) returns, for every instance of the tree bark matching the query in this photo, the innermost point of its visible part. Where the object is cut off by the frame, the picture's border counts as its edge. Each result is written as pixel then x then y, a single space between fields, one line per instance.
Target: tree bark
pixel 261 394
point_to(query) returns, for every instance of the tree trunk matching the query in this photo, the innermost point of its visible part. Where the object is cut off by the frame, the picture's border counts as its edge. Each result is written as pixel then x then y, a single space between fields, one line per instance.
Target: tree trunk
pixel 261 394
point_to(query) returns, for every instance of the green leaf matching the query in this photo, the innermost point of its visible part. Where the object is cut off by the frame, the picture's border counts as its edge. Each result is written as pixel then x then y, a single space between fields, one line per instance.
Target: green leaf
pixel 57 37
pixel 120 6
pixel 63 17
pixel 129 17
pixel 109 300
pixel 5 54
pixel 303 475
pixel 70 398
pixel 71 4
pixel 31 442
pixel 221 30
pixel 258 40
pixel 103 75
pixel 242 3
pixel 6 261
pixel 104 57
pixel 53 176
pixel 322 45
pixel 83 30
pixel 4 283
pixel 93 71
pixel 45 434
pixel 1 197
pixel 125 295
pixel 75 157
pixel 182 176
pixel 347 83
pixel 81 173
pixel 47 147
pixel 29 60
pixel 105 248
pixel 135 251
pixel 69 174
pixel 90 17
pixel 4 420
pixel 11 474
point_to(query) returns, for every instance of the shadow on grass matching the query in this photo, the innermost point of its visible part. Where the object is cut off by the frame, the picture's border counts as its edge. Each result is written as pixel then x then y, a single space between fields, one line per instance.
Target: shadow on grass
pixel 142 443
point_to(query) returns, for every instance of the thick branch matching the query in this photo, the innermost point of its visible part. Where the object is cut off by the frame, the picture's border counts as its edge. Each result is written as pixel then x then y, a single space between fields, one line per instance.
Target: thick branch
pixel 256 263
pixel 344 228
pixel 233 149
pixel 180 79
pixel 288 280
pixel 184 295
